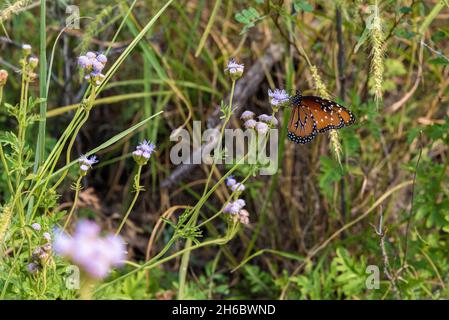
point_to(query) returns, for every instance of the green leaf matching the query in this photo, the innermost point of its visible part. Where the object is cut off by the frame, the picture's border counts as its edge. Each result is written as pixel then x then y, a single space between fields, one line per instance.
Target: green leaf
pixel 302 5
pixel 439 61
pixel 362 40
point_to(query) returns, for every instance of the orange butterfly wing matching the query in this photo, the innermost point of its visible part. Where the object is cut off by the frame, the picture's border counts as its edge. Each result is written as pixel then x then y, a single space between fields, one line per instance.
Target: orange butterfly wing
pixel 327 114
pixel 302 126
pixel 314 114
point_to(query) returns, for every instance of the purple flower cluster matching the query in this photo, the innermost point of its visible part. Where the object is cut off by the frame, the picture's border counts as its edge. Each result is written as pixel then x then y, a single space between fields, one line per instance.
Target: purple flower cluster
pixel 234 185
pixel 95 254
pixel 262 126
pixel 235 209
pixel 143 152
pixel 278 97
pixel 93 65
pixel 42 253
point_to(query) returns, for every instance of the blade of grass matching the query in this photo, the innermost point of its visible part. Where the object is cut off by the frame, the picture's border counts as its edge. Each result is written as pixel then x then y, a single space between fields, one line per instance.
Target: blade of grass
pixel 109 142
pixel 210 23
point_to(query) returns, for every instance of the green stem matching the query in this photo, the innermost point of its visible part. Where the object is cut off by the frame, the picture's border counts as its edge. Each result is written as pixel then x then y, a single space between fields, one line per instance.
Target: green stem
pixel 192 221
pixel 6 168
pixel 75 202
pixel 40 150
pixel 154 262
pixel 137 189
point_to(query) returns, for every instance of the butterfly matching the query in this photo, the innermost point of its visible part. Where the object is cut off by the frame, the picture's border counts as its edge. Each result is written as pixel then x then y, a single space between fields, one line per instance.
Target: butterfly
pixel 312 115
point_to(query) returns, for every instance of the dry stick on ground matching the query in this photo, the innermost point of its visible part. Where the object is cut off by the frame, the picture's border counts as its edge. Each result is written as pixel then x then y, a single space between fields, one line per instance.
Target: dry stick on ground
pixel 387 268
pixel 244 89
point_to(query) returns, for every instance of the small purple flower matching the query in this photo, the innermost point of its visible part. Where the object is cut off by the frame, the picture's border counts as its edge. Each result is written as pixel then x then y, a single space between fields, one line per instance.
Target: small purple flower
pixel 95 254
pixel 246 115
pixel 47 236
pixel 84 62
pixel 47 247
pixel 261 128
pixel 230 181
pixel 240 203
pixel 268 119
pixel 146 147
pixel 137 153
pixel 264 118
pixel 93 65
pixel 86 163
pixel 33 267
pixel 234 69
pixel 278 97
pixel 102 58
pixel 250 124
pixel 37 252
pixel 97 67
pixel 43 256
pixel 36 226
pixel 91 55
pixel 239 187
pixel 231 208
pixel 143 152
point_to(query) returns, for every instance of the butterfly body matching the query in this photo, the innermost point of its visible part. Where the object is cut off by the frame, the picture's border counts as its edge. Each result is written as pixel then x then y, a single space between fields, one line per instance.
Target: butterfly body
pixel 312 115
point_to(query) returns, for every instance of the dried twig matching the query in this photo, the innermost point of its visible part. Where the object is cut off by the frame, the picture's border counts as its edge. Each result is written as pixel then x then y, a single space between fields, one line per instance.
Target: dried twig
pixel 387 268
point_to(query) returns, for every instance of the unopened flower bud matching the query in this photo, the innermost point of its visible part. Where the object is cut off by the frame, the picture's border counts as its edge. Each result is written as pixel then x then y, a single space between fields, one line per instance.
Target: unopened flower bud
pixel 33 61
pixel 246 115
pixel 36 226
pixel 33 267
pixel 3 77
pixel 26 50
